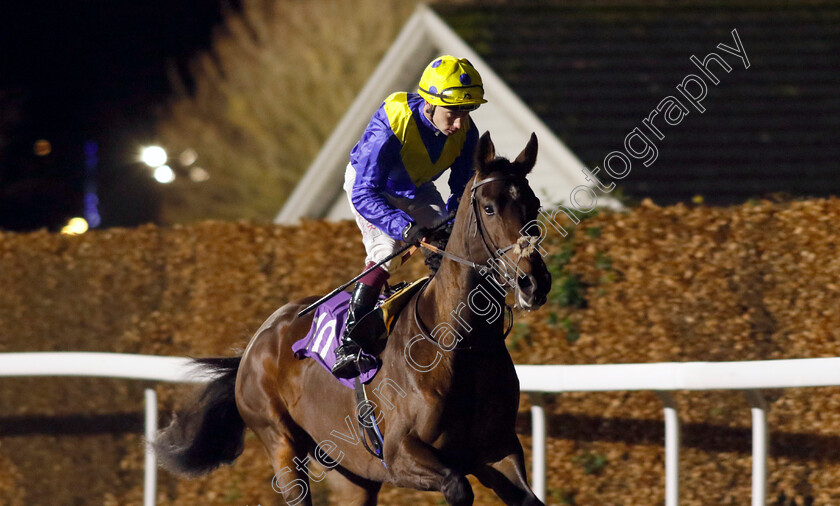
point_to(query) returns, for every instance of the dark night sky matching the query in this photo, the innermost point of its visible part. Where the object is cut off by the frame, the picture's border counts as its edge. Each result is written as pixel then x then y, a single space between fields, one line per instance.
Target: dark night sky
pixel 88 70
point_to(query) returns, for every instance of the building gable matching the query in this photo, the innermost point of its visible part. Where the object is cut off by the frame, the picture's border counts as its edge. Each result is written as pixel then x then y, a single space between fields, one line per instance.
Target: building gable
pixel 319 194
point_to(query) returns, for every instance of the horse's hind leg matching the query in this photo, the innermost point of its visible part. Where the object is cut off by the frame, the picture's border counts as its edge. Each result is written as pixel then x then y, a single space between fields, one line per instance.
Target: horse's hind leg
pixel 352 491
pixel 289 481
pixel 415 465
pixel 506 477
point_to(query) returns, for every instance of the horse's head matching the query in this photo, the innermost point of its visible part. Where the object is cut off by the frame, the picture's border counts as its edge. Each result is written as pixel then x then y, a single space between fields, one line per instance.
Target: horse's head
pixel 502 210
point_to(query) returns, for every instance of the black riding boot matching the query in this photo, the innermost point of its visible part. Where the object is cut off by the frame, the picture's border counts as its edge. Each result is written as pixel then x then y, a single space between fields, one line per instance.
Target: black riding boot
pixel 361 303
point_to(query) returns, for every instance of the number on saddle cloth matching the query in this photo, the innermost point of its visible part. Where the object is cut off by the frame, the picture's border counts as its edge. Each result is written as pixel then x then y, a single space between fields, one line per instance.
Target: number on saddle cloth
pixel 370 332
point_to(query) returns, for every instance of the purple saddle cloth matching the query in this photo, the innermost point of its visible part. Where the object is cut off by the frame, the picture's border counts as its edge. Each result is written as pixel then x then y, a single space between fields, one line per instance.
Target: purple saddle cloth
pixel 324 336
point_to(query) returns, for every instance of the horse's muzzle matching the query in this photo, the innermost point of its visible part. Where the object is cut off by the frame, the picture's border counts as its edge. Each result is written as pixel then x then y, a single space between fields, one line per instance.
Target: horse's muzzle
pixel 532 290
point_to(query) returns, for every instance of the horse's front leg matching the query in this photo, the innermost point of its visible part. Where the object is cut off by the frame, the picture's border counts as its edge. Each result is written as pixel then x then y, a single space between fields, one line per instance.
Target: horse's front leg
pixel 506 477
pixel 413 464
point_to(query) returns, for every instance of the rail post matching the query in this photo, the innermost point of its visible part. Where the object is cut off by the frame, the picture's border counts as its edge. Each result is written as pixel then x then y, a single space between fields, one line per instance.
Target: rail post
pixel 758 408
pixel 538 442
pixel 150 469
pixel 672 449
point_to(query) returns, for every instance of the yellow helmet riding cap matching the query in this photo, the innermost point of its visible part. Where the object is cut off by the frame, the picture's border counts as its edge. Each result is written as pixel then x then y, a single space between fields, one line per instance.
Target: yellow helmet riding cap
pixel 452 82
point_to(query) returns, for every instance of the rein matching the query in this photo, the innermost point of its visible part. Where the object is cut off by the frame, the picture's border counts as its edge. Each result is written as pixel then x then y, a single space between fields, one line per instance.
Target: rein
pixel 493 252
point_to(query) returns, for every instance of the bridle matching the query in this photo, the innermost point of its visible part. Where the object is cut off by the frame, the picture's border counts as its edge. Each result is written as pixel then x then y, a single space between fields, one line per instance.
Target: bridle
pixel 492 251
pixel 522 245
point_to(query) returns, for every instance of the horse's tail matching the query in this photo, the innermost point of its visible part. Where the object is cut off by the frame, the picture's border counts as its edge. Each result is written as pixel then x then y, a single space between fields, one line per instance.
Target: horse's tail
pixel 210 431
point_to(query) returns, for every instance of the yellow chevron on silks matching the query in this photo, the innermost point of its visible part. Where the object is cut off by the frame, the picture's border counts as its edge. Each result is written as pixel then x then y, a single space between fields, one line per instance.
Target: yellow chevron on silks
pixel 414 156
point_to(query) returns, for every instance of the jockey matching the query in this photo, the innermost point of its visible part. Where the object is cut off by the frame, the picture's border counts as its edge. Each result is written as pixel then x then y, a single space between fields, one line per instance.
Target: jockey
pixel 410 141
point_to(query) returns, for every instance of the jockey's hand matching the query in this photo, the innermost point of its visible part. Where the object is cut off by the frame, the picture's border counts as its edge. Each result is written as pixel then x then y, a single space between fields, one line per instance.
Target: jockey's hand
pixel 413 233
pixel 438 237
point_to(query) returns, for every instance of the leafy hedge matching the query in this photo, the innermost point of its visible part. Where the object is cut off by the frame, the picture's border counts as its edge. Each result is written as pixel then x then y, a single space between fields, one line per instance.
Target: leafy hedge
pixel 757 281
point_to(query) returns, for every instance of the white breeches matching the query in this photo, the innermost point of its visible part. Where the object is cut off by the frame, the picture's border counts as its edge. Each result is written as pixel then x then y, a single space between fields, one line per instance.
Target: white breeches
pixel 426 209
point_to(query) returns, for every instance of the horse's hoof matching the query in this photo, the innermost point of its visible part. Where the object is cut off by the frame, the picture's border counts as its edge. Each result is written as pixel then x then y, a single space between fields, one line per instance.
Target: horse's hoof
pixel 457 490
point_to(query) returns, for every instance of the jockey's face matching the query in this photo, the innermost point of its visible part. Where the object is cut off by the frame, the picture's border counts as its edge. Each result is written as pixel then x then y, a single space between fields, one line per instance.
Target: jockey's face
pixel 446 120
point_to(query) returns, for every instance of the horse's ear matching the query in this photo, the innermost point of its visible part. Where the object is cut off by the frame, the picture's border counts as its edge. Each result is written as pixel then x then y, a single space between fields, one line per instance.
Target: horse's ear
pixel 528 157
pixel 485 153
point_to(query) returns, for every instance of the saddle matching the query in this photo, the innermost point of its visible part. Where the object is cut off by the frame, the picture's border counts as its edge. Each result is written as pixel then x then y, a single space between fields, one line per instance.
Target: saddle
pixel 371 332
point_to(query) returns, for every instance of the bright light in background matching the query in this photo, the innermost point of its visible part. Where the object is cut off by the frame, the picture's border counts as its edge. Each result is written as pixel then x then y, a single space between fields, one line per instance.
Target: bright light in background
pixel 42 147
pixel 153 156
pixel 164 174
pixel 188 157
pixel 198 174
pixel 76 226
pixel 91 200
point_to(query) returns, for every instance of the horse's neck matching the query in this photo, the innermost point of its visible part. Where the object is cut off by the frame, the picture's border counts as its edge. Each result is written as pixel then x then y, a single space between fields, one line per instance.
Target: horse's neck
pixel 462 297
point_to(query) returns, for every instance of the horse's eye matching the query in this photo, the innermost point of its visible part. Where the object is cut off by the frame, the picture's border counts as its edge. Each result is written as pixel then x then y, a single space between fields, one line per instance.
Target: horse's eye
pixel 488 210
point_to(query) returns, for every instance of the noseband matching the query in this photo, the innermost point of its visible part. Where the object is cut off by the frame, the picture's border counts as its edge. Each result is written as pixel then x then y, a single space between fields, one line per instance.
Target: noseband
pixel 523 247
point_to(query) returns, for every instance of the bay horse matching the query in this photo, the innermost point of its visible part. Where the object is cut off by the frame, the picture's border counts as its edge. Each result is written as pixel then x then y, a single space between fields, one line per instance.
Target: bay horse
pixel 448 397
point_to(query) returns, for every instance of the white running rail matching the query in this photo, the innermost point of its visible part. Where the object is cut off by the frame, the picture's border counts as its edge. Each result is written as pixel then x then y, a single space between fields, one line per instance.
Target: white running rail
pixel 536 379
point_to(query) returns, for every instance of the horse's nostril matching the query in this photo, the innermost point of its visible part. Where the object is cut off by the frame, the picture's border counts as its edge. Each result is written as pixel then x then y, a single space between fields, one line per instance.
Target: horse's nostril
pixel 526 283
